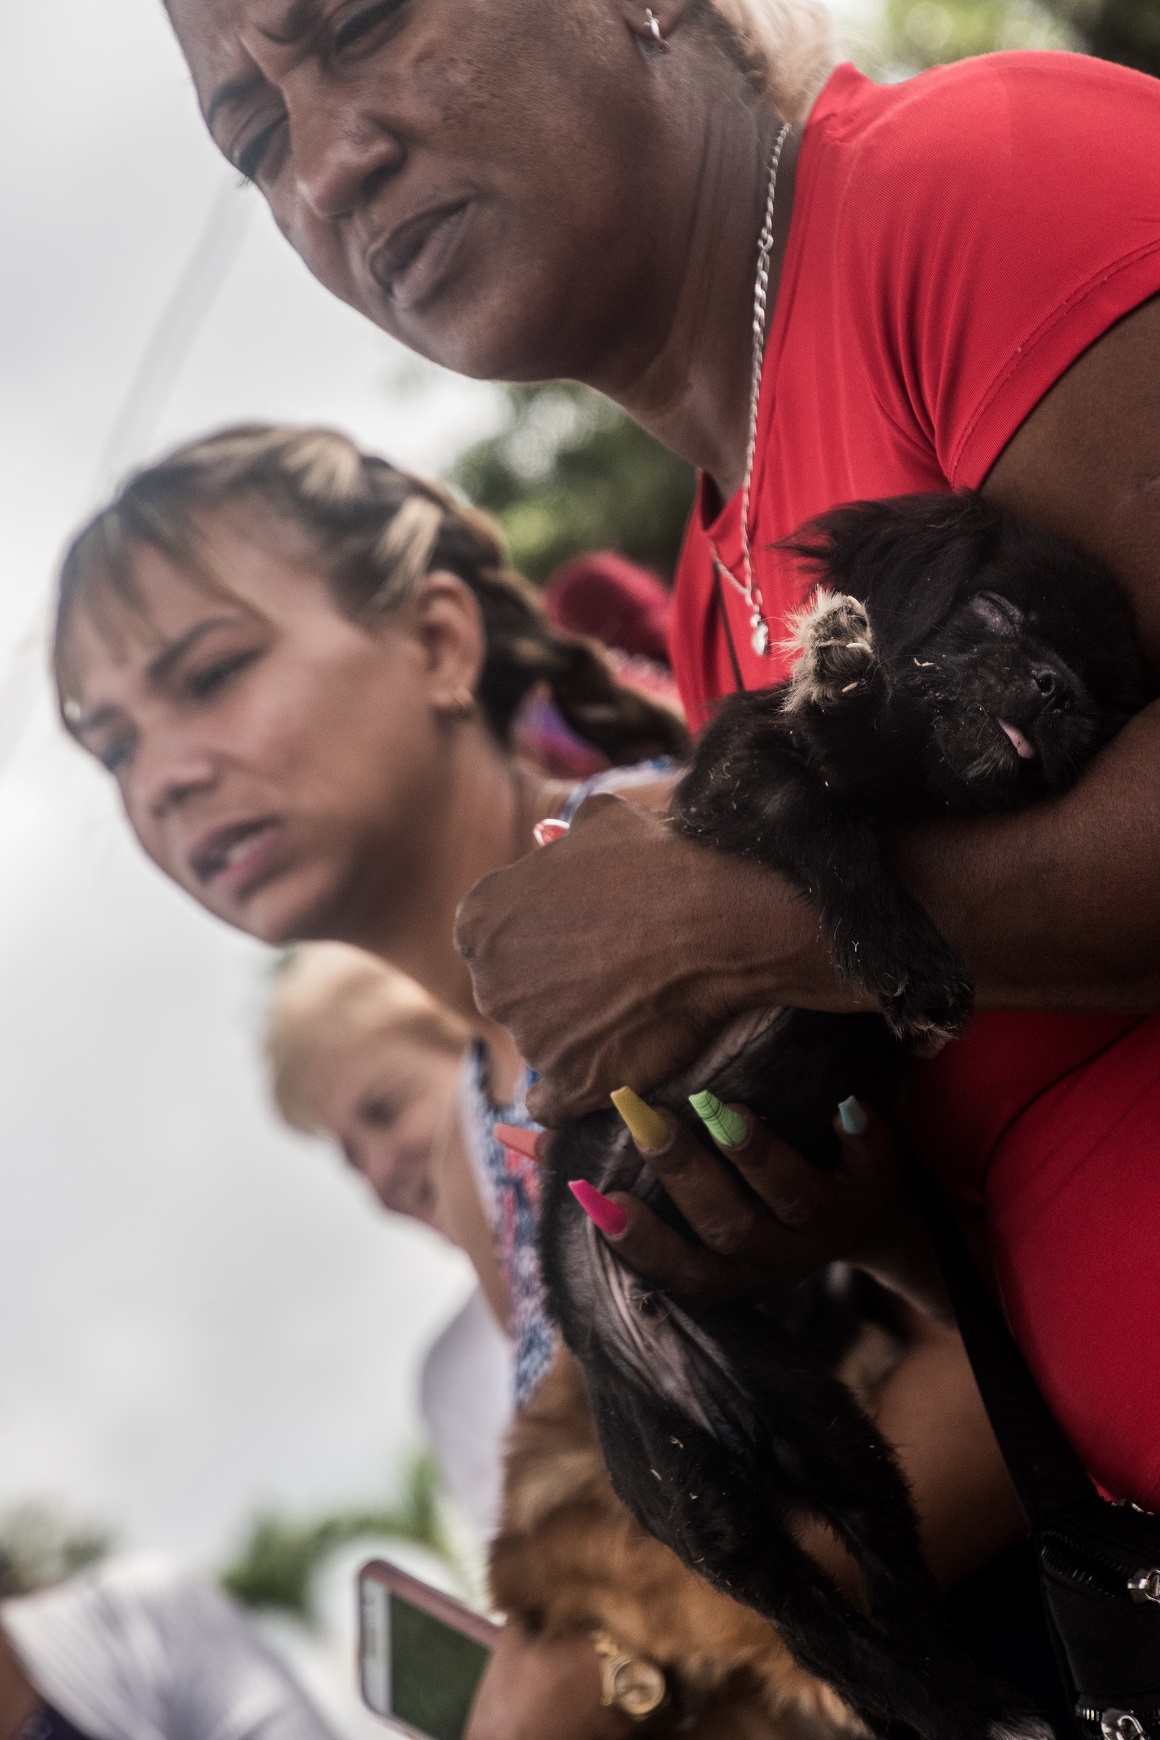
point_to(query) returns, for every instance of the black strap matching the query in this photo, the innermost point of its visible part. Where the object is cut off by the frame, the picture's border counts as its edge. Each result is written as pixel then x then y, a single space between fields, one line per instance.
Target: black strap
pixel 1045 1470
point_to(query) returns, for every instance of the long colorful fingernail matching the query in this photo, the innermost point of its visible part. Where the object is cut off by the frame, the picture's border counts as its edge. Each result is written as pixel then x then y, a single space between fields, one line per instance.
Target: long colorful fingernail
pixel 645 1125
pixel 523 1141
pixel 607 1215
pixel 853 1117
pixel 722 1122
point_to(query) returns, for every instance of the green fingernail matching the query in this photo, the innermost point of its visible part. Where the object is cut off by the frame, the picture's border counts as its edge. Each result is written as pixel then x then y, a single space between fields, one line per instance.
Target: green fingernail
pixel 854 1119
pixel 722 1122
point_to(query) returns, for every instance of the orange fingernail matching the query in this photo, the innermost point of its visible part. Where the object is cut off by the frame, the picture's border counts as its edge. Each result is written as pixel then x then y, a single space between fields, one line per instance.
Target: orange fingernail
pixel 523 1141
pixel 645 1125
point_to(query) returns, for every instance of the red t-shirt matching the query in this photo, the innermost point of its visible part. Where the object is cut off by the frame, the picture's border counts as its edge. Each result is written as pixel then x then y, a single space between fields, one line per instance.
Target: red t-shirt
pixel 957 241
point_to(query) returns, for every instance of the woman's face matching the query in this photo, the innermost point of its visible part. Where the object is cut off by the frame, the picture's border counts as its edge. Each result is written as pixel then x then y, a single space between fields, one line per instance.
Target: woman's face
pixel 438 165
pixel 278 760
pixel 390 1102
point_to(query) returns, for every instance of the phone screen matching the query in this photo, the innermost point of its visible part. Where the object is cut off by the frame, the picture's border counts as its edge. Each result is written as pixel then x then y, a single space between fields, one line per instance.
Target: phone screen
pixel 415 1667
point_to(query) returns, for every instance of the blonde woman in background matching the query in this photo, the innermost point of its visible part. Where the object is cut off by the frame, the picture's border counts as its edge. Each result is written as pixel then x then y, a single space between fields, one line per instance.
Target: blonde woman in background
pixel 360 1052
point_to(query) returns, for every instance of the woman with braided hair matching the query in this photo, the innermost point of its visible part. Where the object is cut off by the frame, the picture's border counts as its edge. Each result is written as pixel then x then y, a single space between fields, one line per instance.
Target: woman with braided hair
pixel 303 667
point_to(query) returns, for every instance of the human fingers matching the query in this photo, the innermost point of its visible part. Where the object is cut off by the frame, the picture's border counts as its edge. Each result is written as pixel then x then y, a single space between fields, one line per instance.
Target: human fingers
pixel 821 1216
pixel 703 1187
pixel 557 960
pixel 525 1142
pixel 656 1251
pixel 785 1182
pixel 764 1256
pixel 868 1180
pixel 582 949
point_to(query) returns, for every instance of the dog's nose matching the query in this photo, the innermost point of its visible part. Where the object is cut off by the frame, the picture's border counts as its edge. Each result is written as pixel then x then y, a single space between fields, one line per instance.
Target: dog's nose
pixel 1050 687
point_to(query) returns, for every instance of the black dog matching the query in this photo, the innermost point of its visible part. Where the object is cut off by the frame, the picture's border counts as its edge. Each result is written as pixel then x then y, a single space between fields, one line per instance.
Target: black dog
pixel 953 661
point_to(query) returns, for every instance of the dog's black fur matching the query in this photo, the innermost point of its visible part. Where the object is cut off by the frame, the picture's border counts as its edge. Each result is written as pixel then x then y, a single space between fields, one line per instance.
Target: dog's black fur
pixel 942 633
pixel 954 661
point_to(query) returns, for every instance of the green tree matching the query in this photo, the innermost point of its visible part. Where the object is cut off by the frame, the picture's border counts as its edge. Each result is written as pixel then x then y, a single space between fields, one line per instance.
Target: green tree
pixel 39 1546
pixel 570 472
pixel 919 33
pixel 278 1561
pixel 1127 31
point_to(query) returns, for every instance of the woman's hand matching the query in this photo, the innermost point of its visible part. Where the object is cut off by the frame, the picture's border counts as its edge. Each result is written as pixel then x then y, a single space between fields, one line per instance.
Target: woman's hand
pixel 766 1218
pixel 617 953
pixel 540 1689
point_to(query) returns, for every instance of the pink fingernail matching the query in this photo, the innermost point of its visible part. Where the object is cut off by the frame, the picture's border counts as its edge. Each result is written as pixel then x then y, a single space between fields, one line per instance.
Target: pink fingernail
pixel 608 1216
pixel 552 828
pixel 523 1141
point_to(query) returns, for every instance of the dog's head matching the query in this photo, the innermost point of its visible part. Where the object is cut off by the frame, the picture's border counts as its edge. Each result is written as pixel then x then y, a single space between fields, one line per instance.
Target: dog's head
pixel 1011 719
pixel 1009 655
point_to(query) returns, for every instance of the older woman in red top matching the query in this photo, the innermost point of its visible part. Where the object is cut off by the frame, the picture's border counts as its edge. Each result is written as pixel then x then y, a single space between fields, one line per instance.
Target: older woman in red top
pixel 955 283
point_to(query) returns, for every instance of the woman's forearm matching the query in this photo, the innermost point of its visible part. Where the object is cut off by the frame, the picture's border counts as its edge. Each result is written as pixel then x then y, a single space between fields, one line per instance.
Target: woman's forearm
pixel 647 944
pixel 931 1411
pixel 1055 907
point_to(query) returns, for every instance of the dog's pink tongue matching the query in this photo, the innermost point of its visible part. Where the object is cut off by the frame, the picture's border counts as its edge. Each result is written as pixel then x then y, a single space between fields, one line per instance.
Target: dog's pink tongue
pixel 1022 748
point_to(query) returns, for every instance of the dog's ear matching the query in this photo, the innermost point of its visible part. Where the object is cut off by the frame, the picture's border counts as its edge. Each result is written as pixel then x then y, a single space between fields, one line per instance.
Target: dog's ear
pixel 909 560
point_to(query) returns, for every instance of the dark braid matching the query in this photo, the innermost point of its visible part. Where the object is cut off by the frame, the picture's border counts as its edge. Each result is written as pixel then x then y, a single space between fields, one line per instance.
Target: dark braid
pixel 378 530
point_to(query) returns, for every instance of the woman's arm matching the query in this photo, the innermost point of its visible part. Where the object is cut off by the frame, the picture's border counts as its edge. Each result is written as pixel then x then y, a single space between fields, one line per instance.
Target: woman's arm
pixel 615 954
pixel 930 1410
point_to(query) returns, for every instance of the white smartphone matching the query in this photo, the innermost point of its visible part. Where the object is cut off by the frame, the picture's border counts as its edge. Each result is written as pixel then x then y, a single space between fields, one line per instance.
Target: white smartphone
pixel 421 1653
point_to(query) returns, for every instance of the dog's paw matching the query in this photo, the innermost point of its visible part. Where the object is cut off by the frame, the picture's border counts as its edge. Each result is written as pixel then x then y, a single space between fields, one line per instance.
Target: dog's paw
pixel 834 647
pixel 927 1019
pixel 925 992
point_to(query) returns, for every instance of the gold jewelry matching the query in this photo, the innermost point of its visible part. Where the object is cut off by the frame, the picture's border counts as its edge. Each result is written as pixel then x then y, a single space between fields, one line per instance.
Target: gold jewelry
pixel 460 705
pixel 629 1683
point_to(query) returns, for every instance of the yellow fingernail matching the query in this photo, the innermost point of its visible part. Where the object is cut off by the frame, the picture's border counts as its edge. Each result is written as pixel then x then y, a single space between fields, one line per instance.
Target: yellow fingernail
pixel 646 1126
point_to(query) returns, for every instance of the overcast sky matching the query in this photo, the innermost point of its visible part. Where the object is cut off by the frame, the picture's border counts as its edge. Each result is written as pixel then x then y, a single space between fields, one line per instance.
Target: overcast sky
pixel 198 1312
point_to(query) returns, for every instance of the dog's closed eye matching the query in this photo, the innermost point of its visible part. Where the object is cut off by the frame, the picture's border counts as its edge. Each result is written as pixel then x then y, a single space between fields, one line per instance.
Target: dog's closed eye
pixel 997 612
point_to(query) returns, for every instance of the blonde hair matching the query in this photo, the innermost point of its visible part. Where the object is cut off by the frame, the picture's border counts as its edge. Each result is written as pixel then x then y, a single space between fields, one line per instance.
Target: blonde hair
pixel 788 48
pixel 329 997
pixel 377 531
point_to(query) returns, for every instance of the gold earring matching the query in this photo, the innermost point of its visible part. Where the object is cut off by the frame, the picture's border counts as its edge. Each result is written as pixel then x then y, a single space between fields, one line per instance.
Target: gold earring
pixel 630 1683
pixel 461 704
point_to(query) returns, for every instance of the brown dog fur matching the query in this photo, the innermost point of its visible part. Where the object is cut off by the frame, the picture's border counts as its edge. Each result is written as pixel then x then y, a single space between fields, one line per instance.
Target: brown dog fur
pixel 568 1556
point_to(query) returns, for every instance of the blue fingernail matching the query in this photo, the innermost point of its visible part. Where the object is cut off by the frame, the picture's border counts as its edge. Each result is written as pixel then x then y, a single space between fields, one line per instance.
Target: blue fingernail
pixel 854 1119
